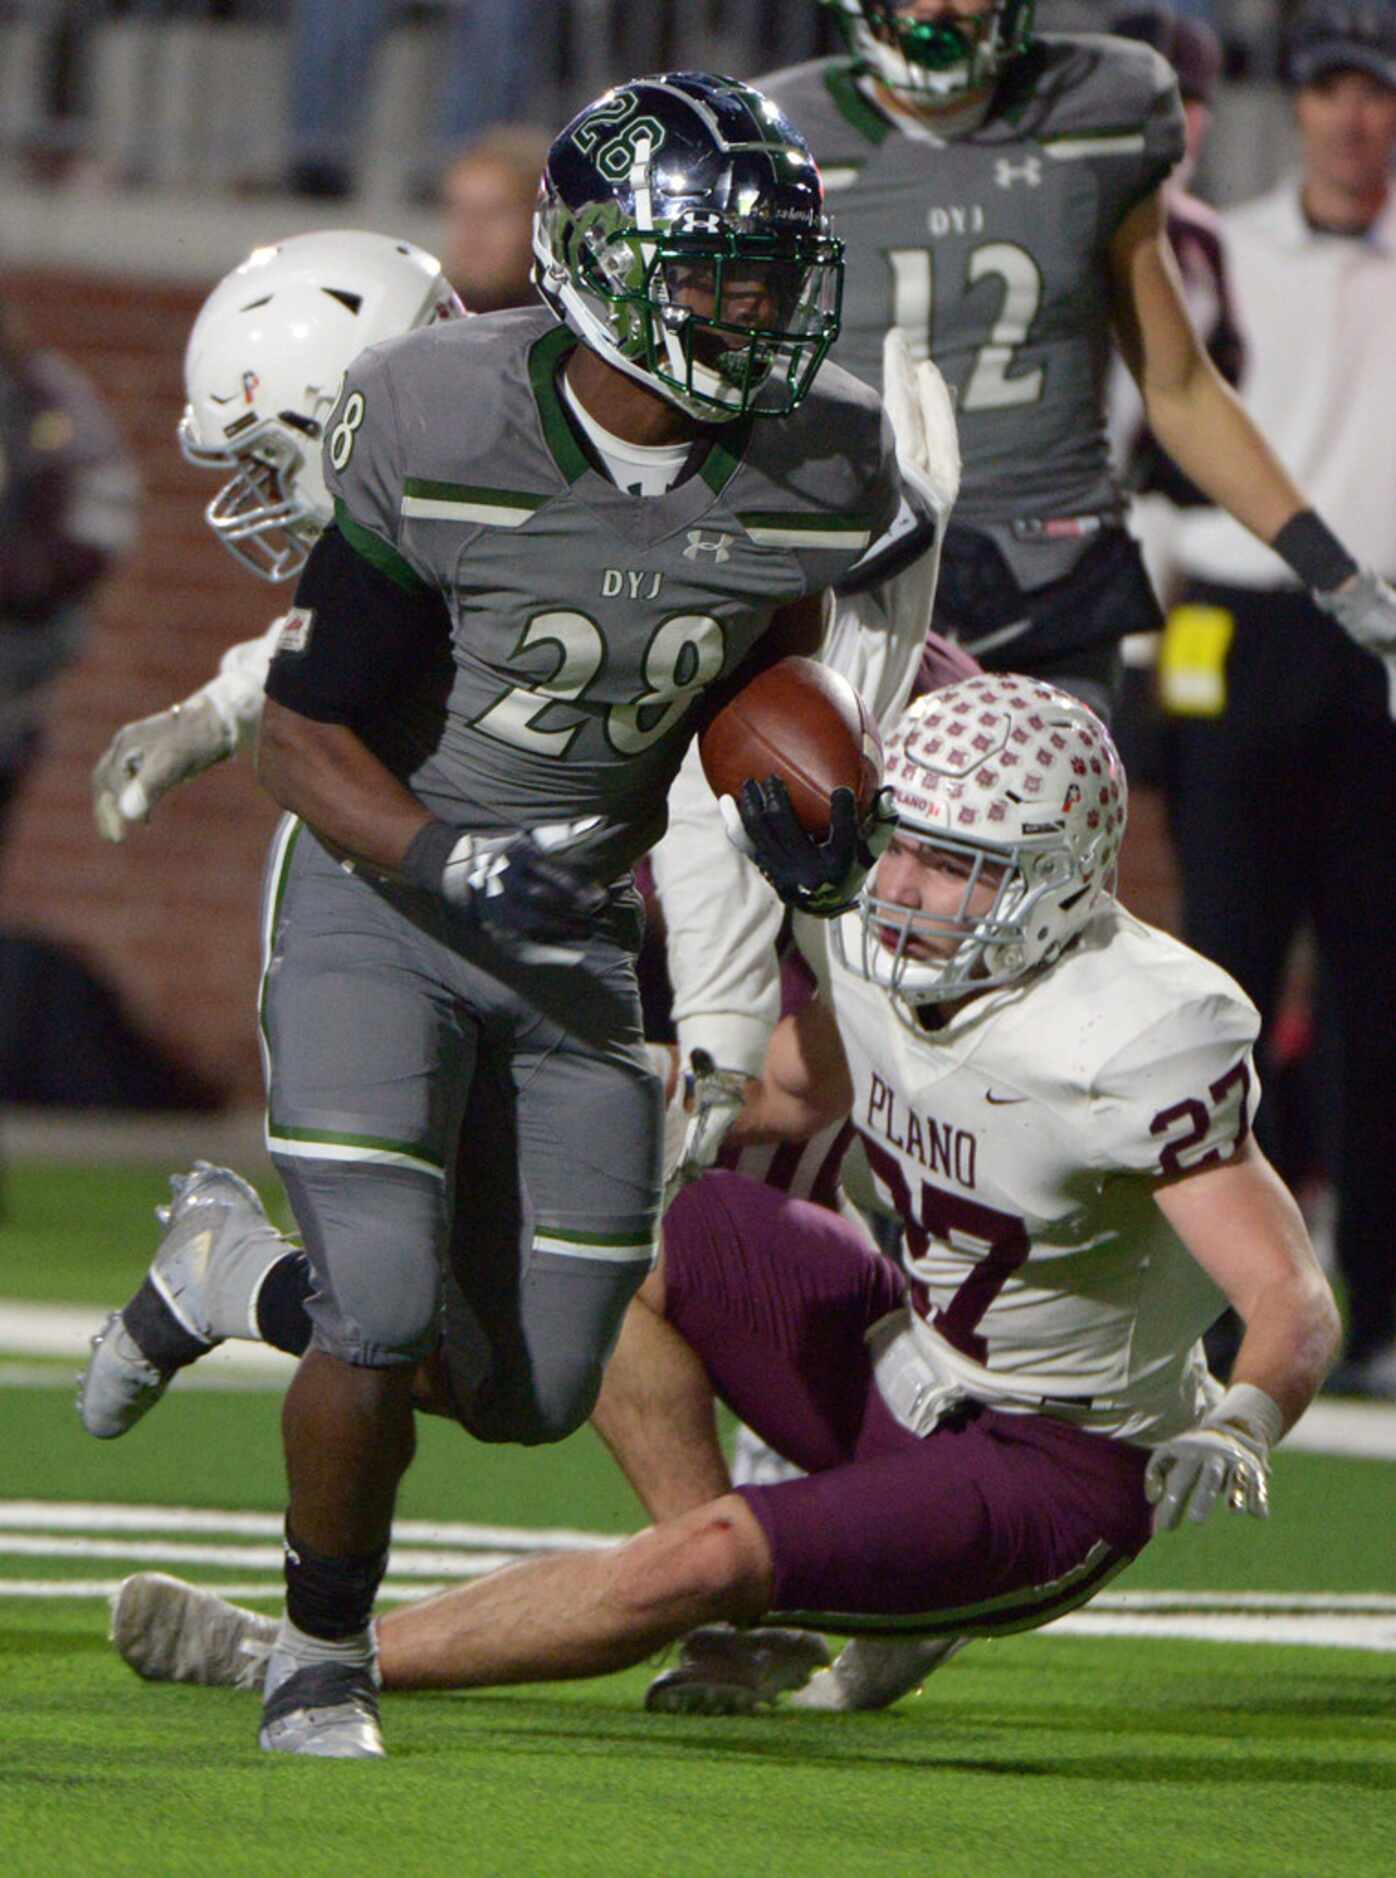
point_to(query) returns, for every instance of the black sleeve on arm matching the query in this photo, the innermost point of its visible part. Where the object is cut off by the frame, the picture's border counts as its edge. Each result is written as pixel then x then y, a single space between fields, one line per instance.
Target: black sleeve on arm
pixel 365 630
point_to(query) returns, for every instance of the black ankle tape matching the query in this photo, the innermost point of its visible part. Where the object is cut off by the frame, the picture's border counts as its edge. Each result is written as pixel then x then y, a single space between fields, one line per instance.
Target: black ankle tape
pixel 331 1598
pixel 283 1319
pixel 158 1332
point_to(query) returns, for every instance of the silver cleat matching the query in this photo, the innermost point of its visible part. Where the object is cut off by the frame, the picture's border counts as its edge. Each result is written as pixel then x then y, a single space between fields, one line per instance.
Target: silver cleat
pixel 325 1709
pixel 725 1671
pixel 875 1672
pixel 168 1631
pixel 123 1380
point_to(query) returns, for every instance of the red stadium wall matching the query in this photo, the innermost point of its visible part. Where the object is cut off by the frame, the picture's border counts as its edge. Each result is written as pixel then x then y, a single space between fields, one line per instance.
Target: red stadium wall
pixel 170 917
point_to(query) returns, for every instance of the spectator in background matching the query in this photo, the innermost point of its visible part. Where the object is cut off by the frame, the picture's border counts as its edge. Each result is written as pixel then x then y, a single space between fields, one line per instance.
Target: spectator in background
pixel 487 197
pixel 1158 487
pixel 68 495
pixel 485 71
pixel 1283 758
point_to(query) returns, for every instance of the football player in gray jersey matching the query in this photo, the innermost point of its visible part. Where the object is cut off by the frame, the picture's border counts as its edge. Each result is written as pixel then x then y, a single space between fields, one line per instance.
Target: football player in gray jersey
pixel 998 192
pixel 552 539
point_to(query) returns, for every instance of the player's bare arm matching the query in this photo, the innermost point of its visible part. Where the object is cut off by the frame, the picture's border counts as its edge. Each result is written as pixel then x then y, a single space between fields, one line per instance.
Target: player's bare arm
pixel 327 775
pixel 1190 407
pixel 1244 1228
pixel 1246 1232
pixel 1203 425
pixel 804 1085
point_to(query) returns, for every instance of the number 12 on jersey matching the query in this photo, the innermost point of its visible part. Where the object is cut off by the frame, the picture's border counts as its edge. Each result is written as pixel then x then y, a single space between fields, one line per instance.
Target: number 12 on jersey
pixel 991 384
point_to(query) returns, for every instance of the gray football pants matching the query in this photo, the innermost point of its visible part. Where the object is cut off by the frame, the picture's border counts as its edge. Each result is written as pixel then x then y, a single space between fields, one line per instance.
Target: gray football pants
pixel 471 1146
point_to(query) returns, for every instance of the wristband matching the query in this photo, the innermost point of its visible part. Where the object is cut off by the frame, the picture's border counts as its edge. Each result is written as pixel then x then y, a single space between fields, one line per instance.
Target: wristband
pixel 1249 1408
pixel 1308 545
pixel 424 864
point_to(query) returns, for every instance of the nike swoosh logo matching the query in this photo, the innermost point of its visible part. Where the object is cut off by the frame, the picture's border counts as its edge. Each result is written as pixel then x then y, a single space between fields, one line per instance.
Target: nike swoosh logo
pixel 1002 1101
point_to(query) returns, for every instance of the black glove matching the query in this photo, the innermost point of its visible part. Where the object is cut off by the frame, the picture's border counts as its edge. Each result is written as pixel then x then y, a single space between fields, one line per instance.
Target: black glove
pixel 817 877
pixel 510 883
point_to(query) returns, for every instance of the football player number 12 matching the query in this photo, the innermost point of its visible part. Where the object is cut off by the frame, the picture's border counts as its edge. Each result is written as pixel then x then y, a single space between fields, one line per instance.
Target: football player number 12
pixel 990 385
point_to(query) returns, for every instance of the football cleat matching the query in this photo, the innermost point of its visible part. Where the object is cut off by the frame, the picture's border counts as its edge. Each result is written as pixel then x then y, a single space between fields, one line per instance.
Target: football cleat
pixel 874 1672
pixel 725 1671
pixel 329 1709
pixel 168 1631
pixel 166 1323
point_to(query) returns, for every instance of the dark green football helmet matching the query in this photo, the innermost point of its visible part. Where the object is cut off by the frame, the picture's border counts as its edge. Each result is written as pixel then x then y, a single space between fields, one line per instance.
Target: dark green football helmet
pixel 681 234
pixel 939 59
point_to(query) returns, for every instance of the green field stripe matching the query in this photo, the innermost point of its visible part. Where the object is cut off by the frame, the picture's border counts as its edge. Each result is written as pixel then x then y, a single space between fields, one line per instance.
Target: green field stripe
pixel 377 552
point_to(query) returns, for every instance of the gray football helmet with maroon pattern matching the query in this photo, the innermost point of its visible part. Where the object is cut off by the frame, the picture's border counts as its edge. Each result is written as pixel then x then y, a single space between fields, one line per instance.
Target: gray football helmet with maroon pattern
pixel 1004 772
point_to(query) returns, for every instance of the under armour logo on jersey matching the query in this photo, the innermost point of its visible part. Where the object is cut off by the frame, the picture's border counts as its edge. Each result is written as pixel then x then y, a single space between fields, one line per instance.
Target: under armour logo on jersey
pixel 699 545
pixel 1029 171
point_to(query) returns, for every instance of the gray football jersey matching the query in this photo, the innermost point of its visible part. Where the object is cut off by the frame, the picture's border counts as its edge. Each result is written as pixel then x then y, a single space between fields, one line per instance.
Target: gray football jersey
pixel 585 621
pixel 990 252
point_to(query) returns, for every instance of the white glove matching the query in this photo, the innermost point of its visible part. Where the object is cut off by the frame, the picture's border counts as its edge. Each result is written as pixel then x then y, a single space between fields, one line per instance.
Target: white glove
pixel 712 1100
pixel 1366 611
pixel 145 760
pixel 918 402
pixel 1365 608
pixel 1228 1453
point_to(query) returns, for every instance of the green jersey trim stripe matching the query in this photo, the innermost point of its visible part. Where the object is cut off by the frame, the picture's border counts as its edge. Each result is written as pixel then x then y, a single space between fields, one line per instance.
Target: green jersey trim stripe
pixel 806 531
pixel 377 552
pixel 317 1144
pixel 724 458
pixel 283 847
pixel 1094 143
pixel 840 81
pixel 543 362
pixel 457 502
pixel 606 1250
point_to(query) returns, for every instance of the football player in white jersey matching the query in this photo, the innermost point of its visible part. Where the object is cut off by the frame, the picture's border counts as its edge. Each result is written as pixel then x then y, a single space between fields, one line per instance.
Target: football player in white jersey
pixel 1057 1100
pixel 262 369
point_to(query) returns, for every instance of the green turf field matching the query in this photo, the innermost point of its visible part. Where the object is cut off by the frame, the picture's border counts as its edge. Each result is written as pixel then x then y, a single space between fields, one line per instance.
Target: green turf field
pixel 1057 1753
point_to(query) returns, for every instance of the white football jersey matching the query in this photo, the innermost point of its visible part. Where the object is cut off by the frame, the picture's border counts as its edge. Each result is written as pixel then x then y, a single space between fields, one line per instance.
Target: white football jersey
pixel 1020 1144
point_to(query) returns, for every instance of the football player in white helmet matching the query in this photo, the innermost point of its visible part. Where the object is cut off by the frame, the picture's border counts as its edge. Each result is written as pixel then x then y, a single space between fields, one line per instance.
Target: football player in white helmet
pixel 1056 1099
pixel 262 369
pixel 1029 871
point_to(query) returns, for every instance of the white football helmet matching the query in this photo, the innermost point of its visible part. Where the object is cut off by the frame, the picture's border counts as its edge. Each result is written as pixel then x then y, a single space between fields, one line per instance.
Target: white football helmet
pixel 263 368
pixel 999 771
pixel 940 59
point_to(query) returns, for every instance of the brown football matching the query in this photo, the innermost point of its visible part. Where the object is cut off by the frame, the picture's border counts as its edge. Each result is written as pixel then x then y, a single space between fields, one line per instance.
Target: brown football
pixel 804 723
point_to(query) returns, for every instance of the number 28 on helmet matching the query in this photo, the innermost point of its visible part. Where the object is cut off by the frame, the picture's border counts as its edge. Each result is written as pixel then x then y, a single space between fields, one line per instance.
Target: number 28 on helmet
pixel 681 235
